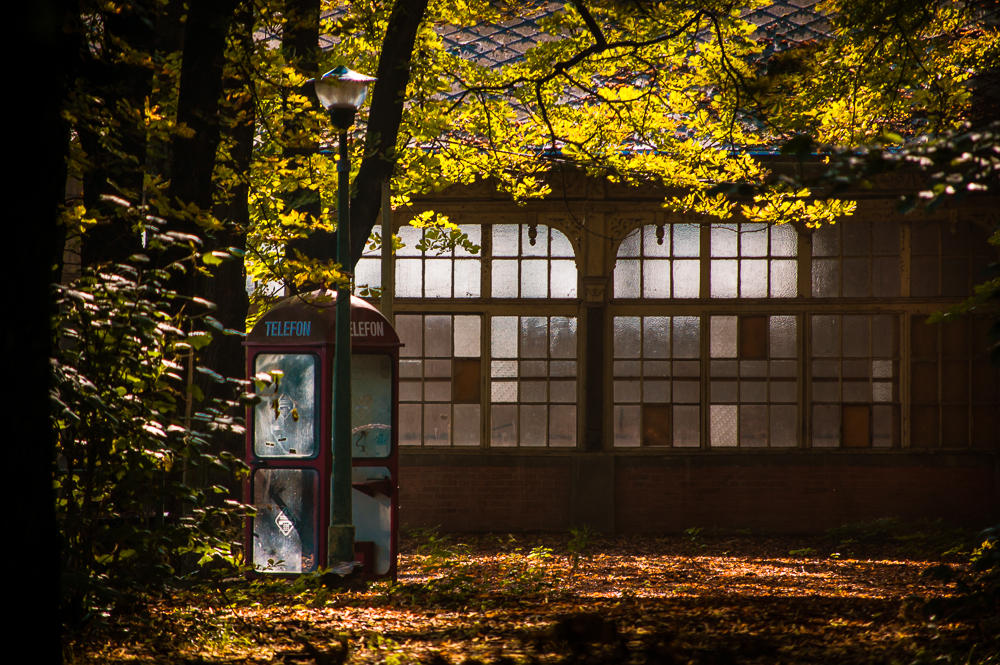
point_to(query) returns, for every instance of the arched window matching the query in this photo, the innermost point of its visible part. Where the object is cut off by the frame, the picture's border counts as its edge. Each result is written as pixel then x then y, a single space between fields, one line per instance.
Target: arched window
pixel 659 262
pixel 531 261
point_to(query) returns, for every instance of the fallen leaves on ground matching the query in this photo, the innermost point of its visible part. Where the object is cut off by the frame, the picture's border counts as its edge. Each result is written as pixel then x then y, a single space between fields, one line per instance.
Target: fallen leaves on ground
pixel 541 599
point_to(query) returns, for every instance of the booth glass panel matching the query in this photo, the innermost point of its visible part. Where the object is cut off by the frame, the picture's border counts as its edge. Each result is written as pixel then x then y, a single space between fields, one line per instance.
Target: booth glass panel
pixel 284 528
pixel 285 422
pixel 371 405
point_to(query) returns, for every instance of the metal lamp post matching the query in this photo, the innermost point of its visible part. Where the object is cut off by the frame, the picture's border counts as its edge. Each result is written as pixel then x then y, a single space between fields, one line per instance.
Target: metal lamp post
pixel 341 91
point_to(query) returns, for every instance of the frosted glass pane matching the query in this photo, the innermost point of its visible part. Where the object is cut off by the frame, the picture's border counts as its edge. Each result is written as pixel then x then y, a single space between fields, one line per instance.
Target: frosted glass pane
pixel 437 391
pixel 437 278
pixel 656 279
pixel 856 238
pixel 686 368
pixel 882 391
pixel 855 336
pixel 410 391
pixel 882 369
pixel 539 246
pixel 562 337
pixel 437 335
pixel 409 280
pixel 561 246
pixel 440 369
pixel 534 335
pixel 885 238
pixel 753 391
pixel 626 426
pixel 753 426
pixel 503 426
pixel 826 426
pixel 410 424
pixel 687 239
pixel 784 240
pixel 826 335
pixel 825 391
pixel 503 337
pixel 563 279
pixel 465 428
pixel 626 336
pixel 410 331
pixel 409 236
pixel 826 241
pixel 625 368
pixel 562 425
pixel 855 368
pixel 884 337
pixel 753 239
pixel 723 340
pixel 533 391
pixel 562 391
pixel 627 391
pixel 368 273
pixel 825 278
pixel 687 279
pixel 475 234
pixel 857 278
pixel 504 279
pixel 885 281
pixel 505 239
pixel 627 278
pixel 534 368
pixel 782 391
pixel 503 391
pixel 656 368
pixel 656 337
pixel 534 278
pixel 783 426
pixel 562 368
pixel 468 279
pixel 723 425
pixel 652 248
pixel 534 425
pixel 724 239
pixel 724 279
pixel 686 337
pixel 687 392
pixel 467 336
pixel 883 421
pixel 753 279
pixel 720 368
pixel 782 336
pixel 687 426
pixel 656 392
pixel 723 391
pixel 857 391
pixel 409 369
pixel 503 369
pixel 784 275
pixel 437 424
pixel 630 246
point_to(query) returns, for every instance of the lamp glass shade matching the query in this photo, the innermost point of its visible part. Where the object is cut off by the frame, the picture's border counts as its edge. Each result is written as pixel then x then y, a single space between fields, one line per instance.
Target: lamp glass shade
pixel 342 88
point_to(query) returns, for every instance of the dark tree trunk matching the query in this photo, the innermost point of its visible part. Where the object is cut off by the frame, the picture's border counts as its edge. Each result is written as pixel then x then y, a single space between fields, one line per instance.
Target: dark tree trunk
pixel 388 97
pixel 300 43
pixel 115 170
pixel 38 190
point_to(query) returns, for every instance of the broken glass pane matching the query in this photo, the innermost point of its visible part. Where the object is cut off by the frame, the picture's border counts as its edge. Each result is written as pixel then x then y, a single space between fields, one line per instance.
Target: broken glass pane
pixel 285 423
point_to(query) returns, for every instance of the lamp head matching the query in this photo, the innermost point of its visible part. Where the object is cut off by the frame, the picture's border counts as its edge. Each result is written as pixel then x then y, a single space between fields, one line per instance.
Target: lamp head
pixel 341 91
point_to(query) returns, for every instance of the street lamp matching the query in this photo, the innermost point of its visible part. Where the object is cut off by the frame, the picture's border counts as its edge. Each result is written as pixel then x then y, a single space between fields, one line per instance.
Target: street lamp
pixel 341 91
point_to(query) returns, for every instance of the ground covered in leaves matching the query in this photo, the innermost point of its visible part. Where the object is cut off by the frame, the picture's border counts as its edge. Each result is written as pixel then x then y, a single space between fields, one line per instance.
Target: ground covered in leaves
pixel 578 598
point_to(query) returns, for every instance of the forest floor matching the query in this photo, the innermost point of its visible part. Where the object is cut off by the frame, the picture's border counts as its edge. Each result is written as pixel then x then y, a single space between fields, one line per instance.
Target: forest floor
pixel 578 598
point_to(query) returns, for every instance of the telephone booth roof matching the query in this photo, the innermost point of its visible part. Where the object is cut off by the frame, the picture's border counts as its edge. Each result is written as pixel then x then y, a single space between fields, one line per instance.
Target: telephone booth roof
pixel 310 318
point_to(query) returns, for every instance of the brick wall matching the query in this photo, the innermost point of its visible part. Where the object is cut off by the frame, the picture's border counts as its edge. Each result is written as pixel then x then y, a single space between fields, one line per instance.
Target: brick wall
pixel 788 492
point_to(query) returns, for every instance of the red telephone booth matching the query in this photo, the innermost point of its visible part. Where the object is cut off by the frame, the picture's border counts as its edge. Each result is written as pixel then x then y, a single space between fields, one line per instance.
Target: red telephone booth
pixel 289 444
